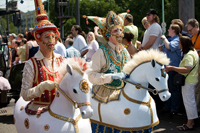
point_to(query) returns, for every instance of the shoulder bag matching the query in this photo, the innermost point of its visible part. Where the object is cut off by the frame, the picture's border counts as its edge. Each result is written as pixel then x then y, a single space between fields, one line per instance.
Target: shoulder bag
pixel 179 79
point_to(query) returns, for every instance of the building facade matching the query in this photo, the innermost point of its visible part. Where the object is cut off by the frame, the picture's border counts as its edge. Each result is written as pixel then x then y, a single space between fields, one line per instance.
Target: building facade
pixel 28 20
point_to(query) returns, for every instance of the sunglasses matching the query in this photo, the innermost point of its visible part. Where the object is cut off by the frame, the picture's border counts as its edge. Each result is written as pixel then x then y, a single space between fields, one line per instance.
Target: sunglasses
pixel 145 23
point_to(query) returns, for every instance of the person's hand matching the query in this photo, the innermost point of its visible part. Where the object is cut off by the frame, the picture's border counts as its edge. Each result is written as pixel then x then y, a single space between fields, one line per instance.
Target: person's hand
pixel 168 68
pixel 140 48
pixel 119 76
pixel 96 28
pixel 160 47
pixel 46 85
pixel 163 37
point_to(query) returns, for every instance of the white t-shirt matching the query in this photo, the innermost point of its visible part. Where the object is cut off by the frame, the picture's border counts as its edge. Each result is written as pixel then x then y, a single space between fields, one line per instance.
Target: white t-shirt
pixel 60 49
pixel 92 48
pixel 80 43
pixel 153 30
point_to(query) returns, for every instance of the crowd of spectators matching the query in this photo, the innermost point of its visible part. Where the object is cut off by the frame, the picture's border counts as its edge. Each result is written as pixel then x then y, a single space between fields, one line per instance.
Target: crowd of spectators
pixel 182 47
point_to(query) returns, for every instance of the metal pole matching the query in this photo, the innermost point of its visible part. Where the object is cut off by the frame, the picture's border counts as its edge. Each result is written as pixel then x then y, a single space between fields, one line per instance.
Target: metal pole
pixel 77 13
pixel 48 10
pixel 7 16
pixel 163 11
pixel 61 29
pixel 163 19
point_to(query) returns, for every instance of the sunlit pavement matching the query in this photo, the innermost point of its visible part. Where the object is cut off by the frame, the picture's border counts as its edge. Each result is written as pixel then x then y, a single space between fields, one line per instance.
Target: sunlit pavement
pixel 6 118
pixel 170 124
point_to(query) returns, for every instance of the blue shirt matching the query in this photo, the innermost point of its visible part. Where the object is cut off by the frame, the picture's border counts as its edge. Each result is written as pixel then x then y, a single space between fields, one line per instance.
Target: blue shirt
pixel 174 53
pixel 72 52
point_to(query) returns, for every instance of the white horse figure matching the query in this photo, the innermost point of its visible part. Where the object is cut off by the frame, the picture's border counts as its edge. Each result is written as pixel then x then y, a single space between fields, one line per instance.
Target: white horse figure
pixel 136 110
pixel 72 100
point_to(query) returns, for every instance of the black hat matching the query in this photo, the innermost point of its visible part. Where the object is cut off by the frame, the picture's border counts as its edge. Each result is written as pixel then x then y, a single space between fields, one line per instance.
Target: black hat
pixel 152 11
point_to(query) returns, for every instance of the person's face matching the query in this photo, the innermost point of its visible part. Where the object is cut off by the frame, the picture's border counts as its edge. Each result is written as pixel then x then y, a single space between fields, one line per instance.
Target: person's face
pixel 150 17
pixel 11 38
pixel 16 45
pixel 66 44
pixel 124 41
pixel 125 22
pixel 116 35
pixel 21 43
pixel 170 31
pixel 18 38
pixel 13 45
pixel 47 41
pixel 145 24
pixel 190 29
pixel 89 37
pixel 74 32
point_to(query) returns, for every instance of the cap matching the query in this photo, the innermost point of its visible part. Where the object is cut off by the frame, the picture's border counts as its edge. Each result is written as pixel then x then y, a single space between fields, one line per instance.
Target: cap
pixel 152 11
pixel 13 34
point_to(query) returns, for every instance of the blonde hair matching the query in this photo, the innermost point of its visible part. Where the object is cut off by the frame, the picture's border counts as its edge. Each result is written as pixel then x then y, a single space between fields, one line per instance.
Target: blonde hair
pixel 145 18
pixel 93 37
pixel 157 19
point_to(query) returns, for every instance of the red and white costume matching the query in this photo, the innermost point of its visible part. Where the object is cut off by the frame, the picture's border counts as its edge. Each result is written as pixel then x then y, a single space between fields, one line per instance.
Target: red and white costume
pixel 37 70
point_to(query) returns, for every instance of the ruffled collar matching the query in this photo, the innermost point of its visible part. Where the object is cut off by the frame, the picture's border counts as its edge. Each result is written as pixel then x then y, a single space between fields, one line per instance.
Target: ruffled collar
pixel 40 56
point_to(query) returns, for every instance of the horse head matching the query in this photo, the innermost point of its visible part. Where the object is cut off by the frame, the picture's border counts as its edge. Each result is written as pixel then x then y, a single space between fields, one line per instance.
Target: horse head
pixel 148 67
pixel 158 78
pixel 76 83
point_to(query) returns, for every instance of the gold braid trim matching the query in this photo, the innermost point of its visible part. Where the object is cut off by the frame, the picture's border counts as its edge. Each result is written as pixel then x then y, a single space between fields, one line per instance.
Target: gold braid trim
pixel 133 100
pixel 73 121
pixel 126 128
pixel 36 71
pixel 97 128
pixel 140 102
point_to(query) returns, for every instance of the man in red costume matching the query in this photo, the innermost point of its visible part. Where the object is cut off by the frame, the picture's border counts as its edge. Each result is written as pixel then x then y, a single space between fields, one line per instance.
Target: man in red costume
pixel 40 72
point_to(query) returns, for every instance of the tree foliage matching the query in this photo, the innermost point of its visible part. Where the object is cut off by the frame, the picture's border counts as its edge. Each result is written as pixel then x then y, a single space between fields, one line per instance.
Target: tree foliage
pixel 12 28
pixel 138 8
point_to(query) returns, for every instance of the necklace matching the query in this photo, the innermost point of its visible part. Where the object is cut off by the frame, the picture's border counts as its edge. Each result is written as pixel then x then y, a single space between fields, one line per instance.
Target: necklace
pixel 126 45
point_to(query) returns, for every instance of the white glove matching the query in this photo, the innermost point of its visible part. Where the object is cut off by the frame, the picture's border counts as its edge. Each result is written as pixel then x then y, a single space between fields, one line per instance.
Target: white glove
pixel 40 88
pixel 118 76
pixel 46 85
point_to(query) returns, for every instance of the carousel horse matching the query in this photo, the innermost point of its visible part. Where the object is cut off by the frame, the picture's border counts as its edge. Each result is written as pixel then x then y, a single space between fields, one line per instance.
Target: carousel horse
pixel 135 111
pixel 69 111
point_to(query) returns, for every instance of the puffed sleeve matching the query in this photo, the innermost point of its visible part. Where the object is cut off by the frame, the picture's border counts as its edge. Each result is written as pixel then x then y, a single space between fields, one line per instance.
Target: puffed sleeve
pixel 27 81
pixel 94 75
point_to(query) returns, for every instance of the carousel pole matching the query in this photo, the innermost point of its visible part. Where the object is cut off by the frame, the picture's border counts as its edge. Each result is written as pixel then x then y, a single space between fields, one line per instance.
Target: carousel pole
pixel 163 18
pixel 77 13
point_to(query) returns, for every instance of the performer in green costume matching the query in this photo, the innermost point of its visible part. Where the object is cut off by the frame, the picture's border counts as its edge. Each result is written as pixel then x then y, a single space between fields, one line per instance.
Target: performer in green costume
pixel 108 61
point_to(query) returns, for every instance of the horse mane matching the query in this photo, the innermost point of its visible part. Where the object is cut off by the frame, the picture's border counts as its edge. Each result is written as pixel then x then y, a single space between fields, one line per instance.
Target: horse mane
pixel 76 63
pixel 145 56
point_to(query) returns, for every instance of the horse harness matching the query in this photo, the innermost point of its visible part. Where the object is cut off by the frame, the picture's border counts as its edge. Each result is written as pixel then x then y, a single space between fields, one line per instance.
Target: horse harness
pixel 75 104
pixel 154 91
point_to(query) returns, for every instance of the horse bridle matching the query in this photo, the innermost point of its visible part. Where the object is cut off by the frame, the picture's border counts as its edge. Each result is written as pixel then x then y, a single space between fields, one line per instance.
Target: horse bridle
pixel 154 91
pixel 74 103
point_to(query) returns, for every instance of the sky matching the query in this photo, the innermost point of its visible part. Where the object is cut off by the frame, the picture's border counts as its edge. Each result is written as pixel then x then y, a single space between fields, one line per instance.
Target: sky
pixel 28 5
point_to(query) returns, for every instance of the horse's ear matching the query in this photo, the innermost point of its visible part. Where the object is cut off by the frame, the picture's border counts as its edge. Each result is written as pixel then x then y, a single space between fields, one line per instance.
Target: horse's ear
pixel 153 62
pixel 69 69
